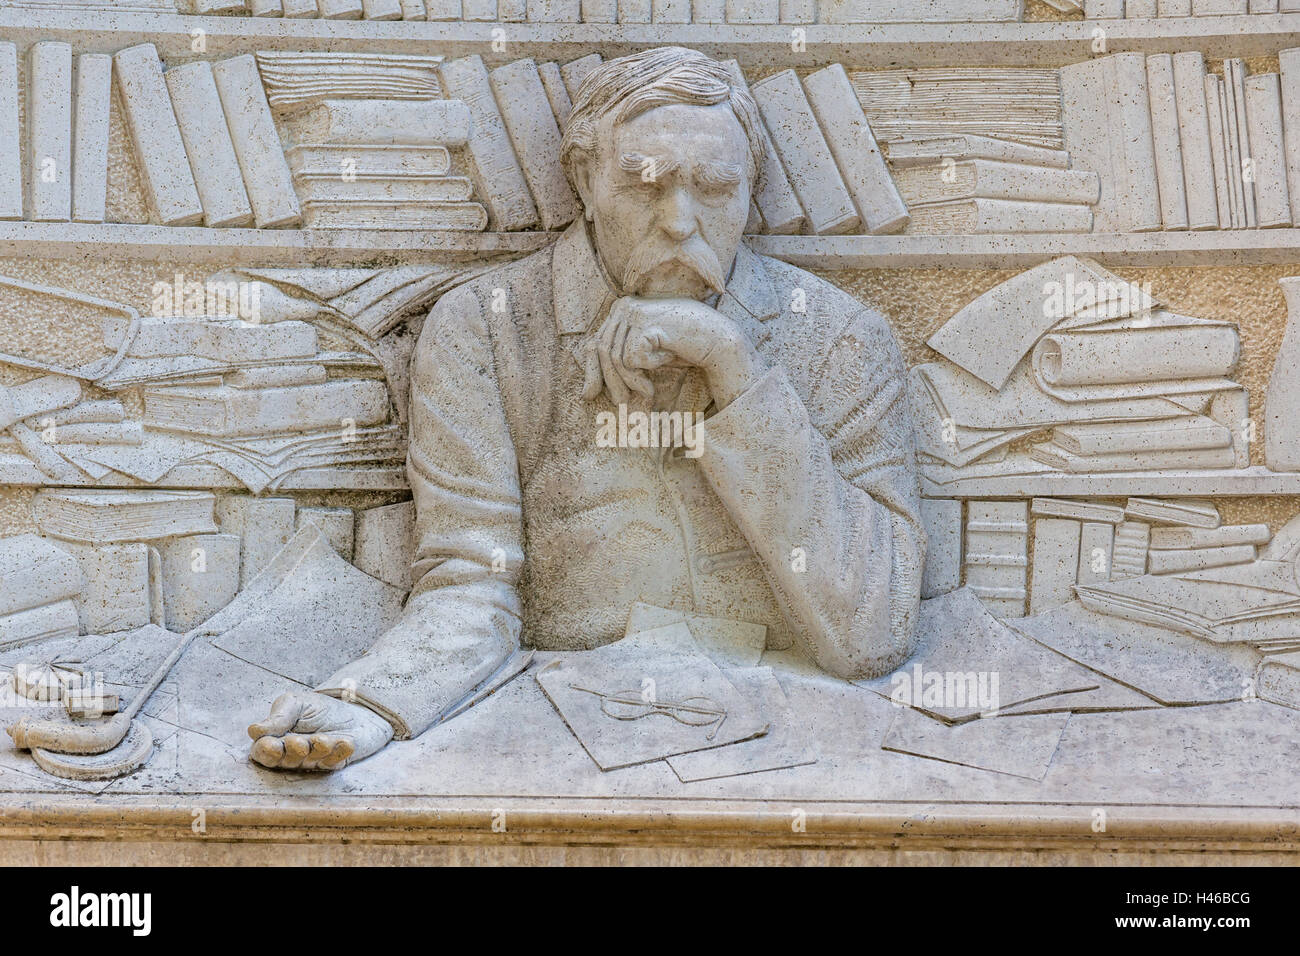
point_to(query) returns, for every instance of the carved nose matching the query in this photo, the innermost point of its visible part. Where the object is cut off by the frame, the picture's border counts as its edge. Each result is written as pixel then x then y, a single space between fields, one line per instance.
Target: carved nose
pixel 678 215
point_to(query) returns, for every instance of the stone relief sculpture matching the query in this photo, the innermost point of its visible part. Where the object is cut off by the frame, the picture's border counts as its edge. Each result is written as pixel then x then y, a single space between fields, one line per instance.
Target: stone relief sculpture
pixel 836 426
pixel 650 304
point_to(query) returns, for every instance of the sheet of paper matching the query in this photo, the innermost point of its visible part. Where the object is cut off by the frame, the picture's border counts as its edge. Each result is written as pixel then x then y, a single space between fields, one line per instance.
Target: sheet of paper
pixel 647 697
pixel 785 745
pixel 1020 746
pixel 729 643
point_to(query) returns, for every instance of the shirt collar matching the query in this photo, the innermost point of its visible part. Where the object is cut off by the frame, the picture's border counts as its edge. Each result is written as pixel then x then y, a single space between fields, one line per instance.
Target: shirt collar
pixel 582 293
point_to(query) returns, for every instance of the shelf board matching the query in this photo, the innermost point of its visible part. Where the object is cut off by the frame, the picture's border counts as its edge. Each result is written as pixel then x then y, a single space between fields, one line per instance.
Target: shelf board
pixel 295 247
pixel 17 471
pixel 334 247
pixel 1228 483
pixel 1045 43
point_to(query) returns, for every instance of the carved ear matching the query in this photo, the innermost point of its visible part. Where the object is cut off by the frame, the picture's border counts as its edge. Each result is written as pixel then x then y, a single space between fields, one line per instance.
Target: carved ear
pixel 583 168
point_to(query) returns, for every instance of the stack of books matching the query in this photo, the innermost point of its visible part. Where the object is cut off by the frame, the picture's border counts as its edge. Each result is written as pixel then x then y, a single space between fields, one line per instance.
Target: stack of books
pixel 374 164
pixel 971 183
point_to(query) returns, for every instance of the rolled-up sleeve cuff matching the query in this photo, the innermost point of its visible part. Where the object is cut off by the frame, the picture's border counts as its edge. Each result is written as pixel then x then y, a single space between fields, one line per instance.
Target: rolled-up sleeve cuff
pixel 345 687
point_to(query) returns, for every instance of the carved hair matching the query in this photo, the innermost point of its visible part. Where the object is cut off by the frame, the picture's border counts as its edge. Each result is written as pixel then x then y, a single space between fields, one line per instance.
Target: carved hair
pixel 635 84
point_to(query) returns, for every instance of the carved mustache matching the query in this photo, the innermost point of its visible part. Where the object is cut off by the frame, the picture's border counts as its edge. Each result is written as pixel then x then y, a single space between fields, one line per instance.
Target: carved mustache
pixel 695 254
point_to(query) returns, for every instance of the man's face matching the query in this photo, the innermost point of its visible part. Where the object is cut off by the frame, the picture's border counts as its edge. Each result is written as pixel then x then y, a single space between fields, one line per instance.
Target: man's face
pixel 668 195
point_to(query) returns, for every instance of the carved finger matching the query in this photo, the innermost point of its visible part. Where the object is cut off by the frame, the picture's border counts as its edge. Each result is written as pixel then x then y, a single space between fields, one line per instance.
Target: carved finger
pixel 296 748
pixel 618 389
pixel 268 751
pixel 339 754
pixel 637 380
pixel 284 714
pixel 321 747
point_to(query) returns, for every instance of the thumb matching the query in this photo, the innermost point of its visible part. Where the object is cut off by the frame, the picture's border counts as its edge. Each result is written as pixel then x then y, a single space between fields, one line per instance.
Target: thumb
pixel 284 715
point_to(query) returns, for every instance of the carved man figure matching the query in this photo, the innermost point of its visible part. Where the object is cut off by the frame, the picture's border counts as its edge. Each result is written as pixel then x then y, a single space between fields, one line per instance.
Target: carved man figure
pixel 796 508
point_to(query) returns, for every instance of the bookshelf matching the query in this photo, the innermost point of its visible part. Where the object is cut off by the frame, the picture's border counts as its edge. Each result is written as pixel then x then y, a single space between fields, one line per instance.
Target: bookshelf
pixel 1229 483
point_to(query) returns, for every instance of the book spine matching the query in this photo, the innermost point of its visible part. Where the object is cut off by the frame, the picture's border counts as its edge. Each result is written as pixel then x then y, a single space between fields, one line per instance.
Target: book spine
pixel 11 163
pixel 670 11
pixel 1239 134
pixel 340 9
pixel 381 9
pixel 414 10
pixel 753 11
pixel 941 518
pixel 90 136
pixel 708 11
pixel 1219 151
pixel 512 11
pixel 1198 559
pixel 556 94
pixel 443 9
pixel 1263 6
pixel 1140 198
pixel 634 11
pixel 599 11
pixel 1174 8
pixel 1103 9
pixel 1096 541
pixel 49 132
pixel 554 11
pixel 1166 142
pixel 257 144
pixel 1267 152
pixel 265 8
pixel 775 199
pixel 1219 8
pixel 1289 60
pixel 805 153
pixel 1055 563
pixel 848 134
pixel 300 9
pixel 798 11
pixel 1194 139
pixel 493 165
pixel 216 169
pixel 385 123
pixel 536 139
pixel 1139 9
pixel 1087 122
pixel 478 10
pixel 156 136
pixel 575 71
pixel 1008 215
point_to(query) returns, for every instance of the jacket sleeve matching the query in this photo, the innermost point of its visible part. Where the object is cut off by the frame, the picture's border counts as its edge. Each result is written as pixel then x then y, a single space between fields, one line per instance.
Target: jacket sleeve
pixel 463 617
pixel 826 492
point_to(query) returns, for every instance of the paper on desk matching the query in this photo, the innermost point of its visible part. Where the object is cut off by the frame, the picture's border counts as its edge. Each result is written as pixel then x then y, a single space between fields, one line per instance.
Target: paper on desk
pixel 664 671
pixel 729 643
pixel 1020 746
pixel 786 744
